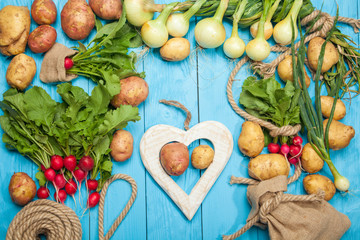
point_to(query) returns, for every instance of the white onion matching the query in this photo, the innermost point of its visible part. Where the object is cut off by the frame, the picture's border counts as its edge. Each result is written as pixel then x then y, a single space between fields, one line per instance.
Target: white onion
pixel 268 30
pixel 258 49
pixel 234 47
pixel 139 12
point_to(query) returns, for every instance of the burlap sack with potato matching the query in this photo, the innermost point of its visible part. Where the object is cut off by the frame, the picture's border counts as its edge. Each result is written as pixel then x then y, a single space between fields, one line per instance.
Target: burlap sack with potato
pixel 290 217
pixel 52 67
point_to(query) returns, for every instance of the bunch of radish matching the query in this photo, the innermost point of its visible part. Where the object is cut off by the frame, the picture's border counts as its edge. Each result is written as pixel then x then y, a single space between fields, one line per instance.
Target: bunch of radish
pixel 292 153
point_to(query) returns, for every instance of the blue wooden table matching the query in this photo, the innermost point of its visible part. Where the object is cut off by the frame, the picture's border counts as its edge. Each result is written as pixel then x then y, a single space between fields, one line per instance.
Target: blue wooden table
pixel 199 83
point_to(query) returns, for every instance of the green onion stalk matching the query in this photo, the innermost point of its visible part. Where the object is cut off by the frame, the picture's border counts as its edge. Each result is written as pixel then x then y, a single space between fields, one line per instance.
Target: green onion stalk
pixel 311 116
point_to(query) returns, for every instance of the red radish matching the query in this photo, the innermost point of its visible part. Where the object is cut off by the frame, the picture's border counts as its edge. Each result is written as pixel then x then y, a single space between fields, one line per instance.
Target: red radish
pixel 70 163
pixel 284 149
pixel 79 175
pixel 273 148
pixel 71 187
pixel 43 193
pixel 50 174
pixel 92 184
pixel 60 196
pixel 86 163
pixel 56 162
pixel 68 63
pixel 297 141
pixel 294 160
pixel 43 168
pixel 294 150
pixel 59 181
pixel 93 199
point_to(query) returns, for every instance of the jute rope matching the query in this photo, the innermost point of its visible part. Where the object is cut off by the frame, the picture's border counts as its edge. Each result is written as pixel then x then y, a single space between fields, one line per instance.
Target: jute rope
pixel 272 203
pixel 320 29
pixel 124 211
pixel 182 107
pixel 45 217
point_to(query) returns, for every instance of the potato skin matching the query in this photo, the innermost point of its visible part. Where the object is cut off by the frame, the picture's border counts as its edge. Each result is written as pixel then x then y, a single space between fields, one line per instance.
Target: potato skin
pixel 134 90
pixel 266 166
pixel 22 188
pixel 122 145
pixel 340 134
pixel 176 49
pixel 202 156
pixel 314 183
pixel 21 71
pixel 107 9
pixel 44 12
pixel 310 160
pixel 42 38
pixel 331 56
pixel 174 158
pixel 326 105
pixel 285 71
pixel 77 19
pixel 251 140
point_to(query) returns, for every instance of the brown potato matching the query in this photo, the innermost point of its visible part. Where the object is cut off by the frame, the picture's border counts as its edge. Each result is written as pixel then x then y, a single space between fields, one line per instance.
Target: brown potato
pixel 315 183
pixel 285 71
pixel 44 12
pixel 331 56
pixel 340 134
pixel 266 166
pixel 21 71
pixel 176 49
pixel 77 19
pixel 107 9
pixel 122 145
pixel 22 188
pixel 14 29
pixel 326 106
pixel 202 156
pixel 174 158
pixel 310 160
pixel 42 38
pixel 134 90
pixel 251 140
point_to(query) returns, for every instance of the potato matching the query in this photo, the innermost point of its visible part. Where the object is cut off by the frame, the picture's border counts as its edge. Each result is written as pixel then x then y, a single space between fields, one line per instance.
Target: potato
pixel 77 19
pixel 44 12
pixel 310 160
pixel 21 71
pixel 42 38
pixel 340 134
pixel 22 188
pixel 122 145
pixel 14 29
pixel 176 49
pixel 251 140
pixel 331 56
pixel 202 156
pixel 266 166
pixel 315 183
pixel 107 9
pixel 285 71
pixel 326 106
pixel 134 90
pixel 174 158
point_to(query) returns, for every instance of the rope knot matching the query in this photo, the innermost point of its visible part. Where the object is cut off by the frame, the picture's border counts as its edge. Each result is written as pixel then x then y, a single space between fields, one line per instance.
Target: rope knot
pixel 269 205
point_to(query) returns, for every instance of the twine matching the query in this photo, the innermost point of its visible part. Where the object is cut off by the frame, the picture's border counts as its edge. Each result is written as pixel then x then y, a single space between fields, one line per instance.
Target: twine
pixel 320 29
pixel 124 211
pixel 182 107
pixel 272 203
pixel 45 217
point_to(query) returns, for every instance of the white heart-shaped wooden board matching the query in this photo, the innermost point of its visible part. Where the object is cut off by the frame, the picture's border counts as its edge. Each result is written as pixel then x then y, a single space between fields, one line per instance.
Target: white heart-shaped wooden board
pixel 157 136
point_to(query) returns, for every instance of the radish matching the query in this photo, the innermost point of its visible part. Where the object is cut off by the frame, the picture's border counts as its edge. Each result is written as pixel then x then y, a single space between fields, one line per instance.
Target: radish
pixel 70 163
pixel 92 184
pixel 93 199
pixel 43 168
pixel 294 160
pixel 56 162
pixel 50 174
pixel 273 148
pixel 43 193
pixel 60 196
pixel 284 149
pixel 59 181
pixel 86 163
pixel 68 63
pixel 71 187
pixel 79 175
pixel 297 141
pixel 294 150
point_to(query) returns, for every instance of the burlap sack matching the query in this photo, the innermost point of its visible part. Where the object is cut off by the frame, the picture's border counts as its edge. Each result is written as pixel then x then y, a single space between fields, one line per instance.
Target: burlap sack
pixel 291 217
pixel 52 67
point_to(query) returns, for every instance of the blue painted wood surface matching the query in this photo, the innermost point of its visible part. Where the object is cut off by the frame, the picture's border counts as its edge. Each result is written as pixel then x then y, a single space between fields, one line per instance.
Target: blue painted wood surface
pixel 199 83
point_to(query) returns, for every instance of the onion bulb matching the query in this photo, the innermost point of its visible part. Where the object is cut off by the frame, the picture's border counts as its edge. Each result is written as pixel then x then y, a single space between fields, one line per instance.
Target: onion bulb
pixel 154 32
pixel 283 29
pixel 178 23
pixel 210 32
pixel 139 12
